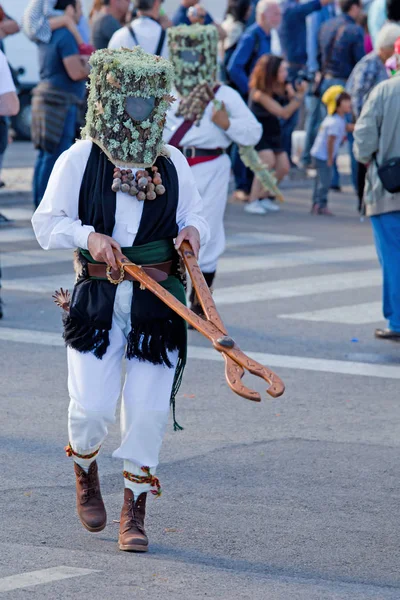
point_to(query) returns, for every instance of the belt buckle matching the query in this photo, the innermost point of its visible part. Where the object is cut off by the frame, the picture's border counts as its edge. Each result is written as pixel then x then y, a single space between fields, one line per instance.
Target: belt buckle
pixel 192 151
pixel 120 278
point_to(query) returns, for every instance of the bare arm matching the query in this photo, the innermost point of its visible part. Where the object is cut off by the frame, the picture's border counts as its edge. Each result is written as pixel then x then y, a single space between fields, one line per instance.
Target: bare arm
pixel 272 106
pixel 8 27
pixel 76 69
pixel 331 147
pixel 65 21
pixel 9 104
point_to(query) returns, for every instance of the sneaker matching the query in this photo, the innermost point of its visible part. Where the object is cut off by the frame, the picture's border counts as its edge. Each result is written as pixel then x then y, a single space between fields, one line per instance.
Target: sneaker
pixel 255 208
pixel 325 211
pixel 4 220
pixel 269 205
pixel 315 209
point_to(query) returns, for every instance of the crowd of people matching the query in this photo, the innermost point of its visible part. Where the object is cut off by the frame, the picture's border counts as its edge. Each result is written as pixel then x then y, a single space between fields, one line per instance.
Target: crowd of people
pixel 315 61
pixel 280 56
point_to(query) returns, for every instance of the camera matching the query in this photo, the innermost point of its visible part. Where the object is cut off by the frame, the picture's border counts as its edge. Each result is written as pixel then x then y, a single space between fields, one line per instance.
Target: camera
pixel 301 76
pixel 193 12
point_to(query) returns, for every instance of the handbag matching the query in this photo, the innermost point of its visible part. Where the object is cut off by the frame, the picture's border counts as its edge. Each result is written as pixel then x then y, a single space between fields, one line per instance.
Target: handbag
pixel 389 174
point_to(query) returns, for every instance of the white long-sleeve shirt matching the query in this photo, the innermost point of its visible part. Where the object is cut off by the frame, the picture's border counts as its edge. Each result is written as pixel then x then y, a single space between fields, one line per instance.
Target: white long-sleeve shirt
pixel 244 128
pixel 56 221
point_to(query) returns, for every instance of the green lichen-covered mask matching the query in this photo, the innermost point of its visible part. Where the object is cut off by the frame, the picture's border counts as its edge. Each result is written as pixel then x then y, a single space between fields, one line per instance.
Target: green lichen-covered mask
pixel 129 94
pixel 193 51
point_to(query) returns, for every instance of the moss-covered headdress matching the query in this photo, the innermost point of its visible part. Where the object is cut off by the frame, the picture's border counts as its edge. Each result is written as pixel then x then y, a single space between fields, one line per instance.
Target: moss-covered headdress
pixel 128 99
pixel 193 51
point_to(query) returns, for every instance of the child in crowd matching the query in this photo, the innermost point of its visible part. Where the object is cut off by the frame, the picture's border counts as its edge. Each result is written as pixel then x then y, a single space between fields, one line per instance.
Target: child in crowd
pixel 40 19
pixel 326 146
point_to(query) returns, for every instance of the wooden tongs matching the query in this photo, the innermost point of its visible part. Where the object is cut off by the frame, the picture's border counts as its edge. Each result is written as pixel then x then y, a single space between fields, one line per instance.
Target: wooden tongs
pixel 213 328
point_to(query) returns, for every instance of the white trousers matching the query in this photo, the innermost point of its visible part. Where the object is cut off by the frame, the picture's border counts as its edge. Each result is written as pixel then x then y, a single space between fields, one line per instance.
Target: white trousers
pixel 212 180
pixel 95 386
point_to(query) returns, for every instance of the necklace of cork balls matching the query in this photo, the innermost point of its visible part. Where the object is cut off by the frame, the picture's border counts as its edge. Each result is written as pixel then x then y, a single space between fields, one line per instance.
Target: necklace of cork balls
pixel 145 185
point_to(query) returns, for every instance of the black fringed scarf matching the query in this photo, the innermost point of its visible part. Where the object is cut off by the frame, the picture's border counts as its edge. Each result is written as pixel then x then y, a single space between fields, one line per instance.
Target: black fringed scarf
pixel 156 329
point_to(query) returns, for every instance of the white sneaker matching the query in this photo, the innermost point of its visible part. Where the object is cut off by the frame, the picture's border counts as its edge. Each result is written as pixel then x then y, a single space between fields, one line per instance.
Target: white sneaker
pixel 269 205
pixel 255 208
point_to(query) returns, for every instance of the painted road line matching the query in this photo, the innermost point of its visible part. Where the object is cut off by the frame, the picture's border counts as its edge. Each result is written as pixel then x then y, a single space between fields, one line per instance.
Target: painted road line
pixel 354 314
pixel 257 238
pixel 16 234
pixel 227 264
pixel 238 264
pixel 40 285
pixel 306 364
pixel 302 286
pixel 266 290
pixel 23 580
pixel 31 336
pixel 27 258
pixel 17 213
pixel 45 338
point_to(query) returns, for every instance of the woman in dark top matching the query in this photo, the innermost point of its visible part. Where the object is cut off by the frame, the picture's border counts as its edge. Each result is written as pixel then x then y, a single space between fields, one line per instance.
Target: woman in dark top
pixel 272 100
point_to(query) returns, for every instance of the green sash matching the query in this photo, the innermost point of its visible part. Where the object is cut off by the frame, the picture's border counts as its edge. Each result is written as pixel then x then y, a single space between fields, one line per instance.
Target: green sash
pixel 148 254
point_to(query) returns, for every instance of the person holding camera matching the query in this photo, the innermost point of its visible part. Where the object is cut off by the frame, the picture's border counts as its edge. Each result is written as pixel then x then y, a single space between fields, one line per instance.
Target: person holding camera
pixel 272 101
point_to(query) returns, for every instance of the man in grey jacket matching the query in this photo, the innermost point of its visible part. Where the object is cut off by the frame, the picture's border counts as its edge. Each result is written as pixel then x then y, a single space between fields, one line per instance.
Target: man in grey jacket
pixel 376 140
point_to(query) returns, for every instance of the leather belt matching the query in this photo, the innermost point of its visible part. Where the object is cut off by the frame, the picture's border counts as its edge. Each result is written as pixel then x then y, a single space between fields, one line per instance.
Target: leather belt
pixel 192 152
pixel 158 272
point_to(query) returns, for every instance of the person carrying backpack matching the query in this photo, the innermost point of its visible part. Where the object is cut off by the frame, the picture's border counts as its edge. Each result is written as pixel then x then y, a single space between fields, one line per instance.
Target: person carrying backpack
pixel 144 31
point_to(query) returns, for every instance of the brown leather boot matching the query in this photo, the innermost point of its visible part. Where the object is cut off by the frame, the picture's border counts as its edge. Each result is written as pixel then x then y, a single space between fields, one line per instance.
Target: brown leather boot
pixel 132 535
pixel 89 502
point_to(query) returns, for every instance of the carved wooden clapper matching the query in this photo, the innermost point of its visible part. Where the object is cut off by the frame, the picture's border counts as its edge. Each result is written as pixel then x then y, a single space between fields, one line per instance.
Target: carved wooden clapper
pixel 212 327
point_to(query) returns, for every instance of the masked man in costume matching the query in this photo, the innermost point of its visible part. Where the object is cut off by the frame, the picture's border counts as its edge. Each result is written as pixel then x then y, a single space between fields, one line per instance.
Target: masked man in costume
pixel 119 187
pixel 203 123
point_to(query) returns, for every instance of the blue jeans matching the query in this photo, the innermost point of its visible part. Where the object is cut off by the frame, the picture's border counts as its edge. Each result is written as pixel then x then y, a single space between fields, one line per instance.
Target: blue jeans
pixel 287 128
pixel 386 230
pixel 315 115
pixel 243 176
pixel 45 160
pixel 322 183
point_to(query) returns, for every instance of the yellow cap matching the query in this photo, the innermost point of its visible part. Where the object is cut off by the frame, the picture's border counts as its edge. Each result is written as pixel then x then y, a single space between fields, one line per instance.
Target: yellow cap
pixel 330 96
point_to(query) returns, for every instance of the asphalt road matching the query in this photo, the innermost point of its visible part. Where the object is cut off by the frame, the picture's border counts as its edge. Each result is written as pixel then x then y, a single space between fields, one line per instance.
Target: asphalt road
pixel 290 499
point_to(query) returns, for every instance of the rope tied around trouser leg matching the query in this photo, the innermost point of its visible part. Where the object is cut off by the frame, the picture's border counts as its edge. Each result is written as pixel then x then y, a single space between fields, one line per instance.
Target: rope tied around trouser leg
pixel 69 451
pixel 148 478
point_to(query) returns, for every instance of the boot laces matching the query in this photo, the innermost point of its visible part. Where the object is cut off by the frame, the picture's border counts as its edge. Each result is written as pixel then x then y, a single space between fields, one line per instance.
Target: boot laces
pixel 89 487
pixel 132 514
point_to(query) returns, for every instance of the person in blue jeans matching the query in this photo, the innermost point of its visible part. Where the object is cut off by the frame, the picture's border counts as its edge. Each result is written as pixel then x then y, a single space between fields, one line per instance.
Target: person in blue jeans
pixel 326 146
pixel 255 42
pixel 376 143
pixel 55 100
pixel 314 110
pixel 293 38
pixel 45 161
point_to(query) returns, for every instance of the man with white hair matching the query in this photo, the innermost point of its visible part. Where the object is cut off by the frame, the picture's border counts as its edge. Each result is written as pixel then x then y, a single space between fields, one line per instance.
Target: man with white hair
pixel 370 70
pixel 255 42
pixel 367 73
pixel 376 142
